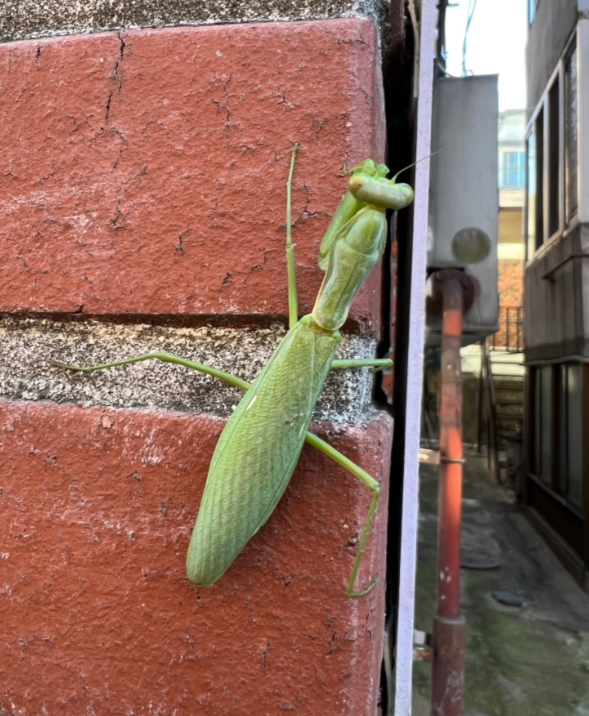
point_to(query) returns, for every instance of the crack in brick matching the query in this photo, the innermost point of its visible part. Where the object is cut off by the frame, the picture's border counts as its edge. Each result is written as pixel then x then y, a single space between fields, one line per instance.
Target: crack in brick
pixel 123 44
pixel 224 105
pixel 107 107
pixel 180 245
pixel 265 651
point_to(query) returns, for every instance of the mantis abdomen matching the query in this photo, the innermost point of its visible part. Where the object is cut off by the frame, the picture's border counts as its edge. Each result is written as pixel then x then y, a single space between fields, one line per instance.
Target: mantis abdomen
pixel 259 449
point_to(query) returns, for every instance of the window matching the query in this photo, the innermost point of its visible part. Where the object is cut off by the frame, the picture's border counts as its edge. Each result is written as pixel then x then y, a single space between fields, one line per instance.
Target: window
pixel 545 444
pixel 535 194
pixel 557 429
pixel 571 134
pixel 512 172
pixel 536 458
pixel 542 382
pixel 570 432
pixel 553 159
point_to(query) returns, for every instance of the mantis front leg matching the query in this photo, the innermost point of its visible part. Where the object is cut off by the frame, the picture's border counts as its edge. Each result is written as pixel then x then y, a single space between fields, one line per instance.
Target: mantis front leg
pixel 311 439
pixel 293 301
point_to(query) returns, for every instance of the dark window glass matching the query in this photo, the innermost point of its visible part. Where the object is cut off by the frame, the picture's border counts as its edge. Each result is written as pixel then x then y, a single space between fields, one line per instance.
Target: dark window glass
pixel 570 432
pixel 563 462
pixel 539 179
pixel 546 424
pixel 574 434
pixel 535 202
pixel 553 156
pixel 537 393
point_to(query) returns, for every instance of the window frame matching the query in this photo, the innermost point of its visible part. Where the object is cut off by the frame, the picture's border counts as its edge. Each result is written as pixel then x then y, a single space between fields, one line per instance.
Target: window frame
pixel 543 109
pixel 518 168
pixel 572 48
pixel 548 477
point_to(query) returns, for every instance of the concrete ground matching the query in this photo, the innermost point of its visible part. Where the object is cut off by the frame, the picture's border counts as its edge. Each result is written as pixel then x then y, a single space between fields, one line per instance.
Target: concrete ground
pixel 526 661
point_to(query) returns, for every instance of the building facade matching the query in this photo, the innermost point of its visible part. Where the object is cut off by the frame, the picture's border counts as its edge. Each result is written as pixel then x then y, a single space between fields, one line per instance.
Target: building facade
pixel 555 489
pixel 511 247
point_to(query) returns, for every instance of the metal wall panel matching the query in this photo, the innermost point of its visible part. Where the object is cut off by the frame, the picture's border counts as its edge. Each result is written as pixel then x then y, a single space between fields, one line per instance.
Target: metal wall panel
pixel 464 195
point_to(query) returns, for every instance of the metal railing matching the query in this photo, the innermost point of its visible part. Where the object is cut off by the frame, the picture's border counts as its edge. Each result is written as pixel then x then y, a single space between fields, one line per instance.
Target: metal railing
pixel 510 335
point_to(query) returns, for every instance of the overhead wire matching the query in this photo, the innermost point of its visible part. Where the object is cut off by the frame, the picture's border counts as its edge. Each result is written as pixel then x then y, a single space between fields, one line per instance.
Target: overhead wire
pixel 470 13
pixel 441 39
pixel 456 142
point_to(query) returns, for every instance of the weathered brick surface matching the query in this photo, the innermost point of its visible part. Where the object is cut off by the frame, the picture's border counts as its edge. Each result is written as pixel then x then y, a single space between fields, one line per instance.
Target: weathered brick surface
pixel 144 172
pixel 143 176
pixel 97 613
pixel 511 282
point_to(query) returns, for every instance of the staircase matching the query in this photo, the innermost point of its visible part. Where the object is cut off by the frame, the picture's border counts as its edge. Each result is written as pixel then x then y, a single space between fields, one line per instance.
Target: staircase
pixel 503 376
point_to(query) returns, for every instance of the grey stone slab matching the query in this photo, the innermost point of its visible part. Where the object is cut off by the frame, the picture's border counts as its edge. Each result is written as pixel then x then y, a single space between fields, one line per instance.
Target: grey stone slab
pixel 508 598
pixel 27 345
pixel 29 19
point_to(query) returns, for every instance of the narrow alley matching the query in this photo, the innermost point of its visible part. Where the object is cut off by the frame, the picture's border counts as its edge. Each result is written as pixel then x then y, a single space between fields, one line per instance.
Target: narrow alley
pixel 531 660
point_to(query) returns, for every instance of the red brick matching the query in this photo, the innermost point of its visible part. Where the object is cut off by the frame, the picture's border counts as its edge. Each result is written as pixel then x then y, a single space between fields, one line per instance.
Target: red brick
pixel 511 286
pixel 97 613
pixel 144 174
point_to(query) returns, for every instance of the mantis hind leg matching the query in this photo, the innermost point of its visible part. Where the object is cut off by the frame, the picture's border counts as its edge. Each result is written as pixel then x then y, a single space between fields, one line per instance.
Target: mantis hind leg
pixel 165 358
pixel 293 305
pixel 374 487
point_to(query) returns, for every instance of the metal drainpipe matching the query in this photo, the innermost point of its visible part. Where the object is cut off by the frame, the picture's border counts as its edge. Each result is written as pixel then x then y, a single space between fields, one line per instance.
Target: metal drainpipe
pixel 449 630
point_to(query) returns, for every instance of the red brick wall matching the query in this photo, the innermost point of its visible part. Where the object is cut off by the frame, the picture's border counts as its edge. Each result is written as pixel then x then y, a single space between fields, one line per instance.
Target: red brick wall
pixel 145 179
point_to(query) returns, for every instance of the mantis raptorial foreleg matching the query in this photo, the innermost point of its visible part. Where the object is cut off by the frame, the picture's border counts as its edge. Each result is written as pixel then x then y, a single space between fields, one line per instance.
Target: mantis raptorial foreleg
pixel 293 302
pixel 310 439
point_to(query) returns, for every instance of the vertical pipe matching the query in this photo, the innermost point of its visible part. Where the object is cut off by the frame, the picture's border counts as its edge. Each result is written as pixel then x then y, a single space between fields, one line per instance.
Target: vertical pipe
pixel 480 406
pixel 449 626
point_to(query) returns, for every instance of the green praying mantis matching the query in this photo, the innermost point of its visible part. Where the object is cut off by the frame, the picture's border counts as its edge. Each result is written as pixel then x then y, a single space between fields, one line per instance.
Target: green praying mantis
pixel 260 445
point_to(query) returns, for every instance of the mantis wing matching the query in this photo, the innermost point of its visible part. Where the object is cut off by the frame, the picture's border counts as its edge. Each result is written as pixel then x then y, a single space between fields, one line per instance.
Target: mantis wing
pixel 258 450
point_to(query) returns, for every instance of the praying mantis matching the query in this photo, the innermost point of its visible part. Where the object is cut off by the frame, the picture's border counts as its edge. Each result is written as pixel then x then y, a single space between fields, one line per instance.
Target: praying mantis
pixel 260 445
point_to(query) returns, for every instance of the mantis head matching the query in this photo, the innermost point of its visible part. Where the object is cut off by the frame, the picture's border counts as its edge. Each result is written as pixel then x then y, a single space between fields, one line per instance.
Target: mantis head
pixel 381 192
pixel 367 185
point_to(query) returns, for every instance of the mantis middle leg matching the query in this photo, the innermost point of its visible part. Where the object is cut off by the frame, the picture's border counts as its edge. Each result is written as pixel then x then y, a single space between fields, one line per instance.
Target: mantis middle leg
pixel 375 363
pixel 311 439
pixel 373 486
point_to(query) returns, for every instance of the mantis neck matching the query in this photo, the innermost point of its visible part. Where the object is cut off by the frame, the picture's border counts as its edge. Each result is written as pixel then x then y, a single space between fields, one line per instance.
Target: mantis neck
pixel 310 322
